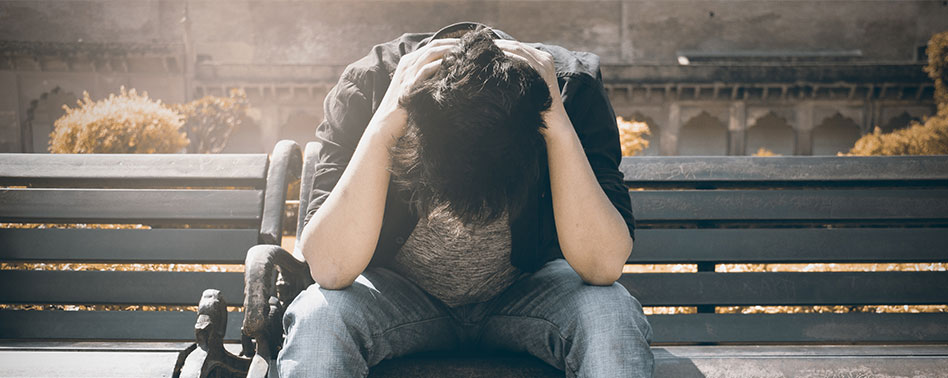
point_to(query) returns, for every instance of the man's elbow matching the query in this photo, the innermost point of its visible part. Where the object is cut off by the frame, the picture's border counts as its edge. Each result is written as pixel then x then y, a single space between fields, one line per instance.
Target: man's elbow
pixel 602 276
pixel 607 267
pixel 329 279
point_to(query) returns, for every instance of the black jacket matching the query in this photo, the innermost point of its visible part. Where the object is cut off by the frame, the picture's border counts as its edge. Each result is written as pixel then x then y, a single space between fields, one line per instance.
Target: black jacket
pixel 351 103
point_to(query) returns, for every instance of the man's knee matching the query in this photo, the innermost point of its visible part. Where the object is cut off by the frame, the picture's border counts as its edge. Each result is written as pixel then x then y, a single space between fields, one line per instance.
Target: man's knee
pixel 318 310
pixel 611 311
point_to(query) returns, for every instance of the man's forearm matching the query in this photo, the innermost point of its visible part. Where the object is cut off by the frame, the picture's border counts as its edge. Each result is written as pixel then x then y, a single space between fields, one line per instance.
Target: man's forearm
pixel 340 239
pixel 592 234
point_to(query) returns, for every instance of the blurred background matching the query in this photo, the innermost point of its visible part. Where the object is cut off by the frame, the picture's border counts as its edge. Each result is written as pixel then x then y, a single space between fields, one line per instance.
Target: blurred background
pixel 706 77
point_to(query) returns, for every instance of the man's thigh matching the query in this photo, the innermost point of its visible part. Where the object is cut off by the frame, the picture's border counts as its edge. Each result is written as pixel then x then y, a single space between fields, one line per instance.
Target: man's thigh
pixel 381 315
pixel 555 316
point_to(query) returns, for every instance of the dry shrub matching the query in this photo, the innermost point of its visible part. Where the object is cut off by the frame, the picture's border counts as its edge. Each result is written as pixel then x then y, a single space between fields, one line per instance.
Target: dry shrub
pixel 937 67
pixel 126 123
pixel 210 120
pixel 765 152
pixel 632 136
pixel 930 138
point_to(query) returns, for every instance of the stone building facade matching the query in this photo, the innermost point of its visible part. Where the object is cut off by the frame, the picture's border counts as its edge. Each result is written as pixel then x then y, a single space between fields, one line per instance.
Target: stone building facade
pixel 710 77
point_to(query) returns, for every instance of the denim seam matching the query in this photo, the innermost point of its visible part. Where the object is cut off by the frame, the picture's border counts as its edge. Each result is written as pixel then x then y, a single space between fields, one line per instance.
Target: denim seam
pixel 566 340
pixel 381 334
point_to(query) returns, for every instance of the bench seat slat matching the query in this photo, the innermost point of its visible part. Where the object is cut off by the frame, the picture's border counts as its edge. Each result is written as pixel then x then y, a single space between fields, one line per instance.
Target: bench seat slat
pixel 687 169
pixel 691 328
pixel 787 288
pixel 94 364
pixel 701 362
pixel 808 205
pixel 123 287
pixel 129 205
pixel 80 170
pixel 221 246
pixel 108 325
pixel 789 328
pixel 808 245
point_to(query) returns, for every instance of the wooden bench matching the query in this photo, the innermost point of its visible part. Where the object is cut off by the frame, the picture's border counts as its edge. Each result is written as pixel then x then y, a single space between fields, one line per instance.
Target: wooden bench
pixel 700 211
pixel 707 211
pixel 198 209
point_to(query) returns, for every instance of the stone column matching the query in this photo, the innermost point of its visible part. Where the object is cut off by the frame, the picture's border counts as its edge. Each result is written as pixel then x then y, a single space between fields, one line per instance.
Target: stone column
pixel 669 140
pixel 869 117
pixel 804 129
pixel 737 129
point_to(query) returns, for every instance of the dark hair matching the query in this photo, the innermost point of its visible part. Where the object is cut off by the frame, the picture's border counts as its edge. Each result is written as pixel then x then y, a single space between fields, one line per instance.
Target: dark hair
pixel 473 142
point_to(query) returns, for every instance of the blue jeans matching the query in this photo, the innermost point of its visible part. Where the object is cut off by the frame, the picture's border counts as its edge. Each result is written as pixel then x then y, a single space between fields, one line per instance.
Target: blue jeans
pixel 587 331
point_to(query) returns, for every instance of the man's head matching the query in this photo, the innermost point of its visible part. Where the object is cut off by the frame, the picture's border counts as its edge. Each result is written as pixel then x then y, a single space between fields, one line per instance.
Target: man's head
pixel 473 139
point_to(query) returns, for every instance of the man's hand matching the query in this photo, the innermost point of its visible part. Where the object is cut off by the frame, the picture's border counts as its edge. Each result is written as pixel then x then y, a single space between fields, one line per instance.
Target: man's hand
pixel 413 68
pixel 557 121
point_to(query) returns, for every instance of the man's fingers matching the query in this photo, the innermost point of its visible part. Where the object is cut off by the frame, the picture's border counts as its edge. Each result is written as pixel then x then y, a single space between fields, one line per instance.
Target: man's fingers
pixel 443 42
pixel 525 59
pixel 434 50
pixel 427 70
pixel 517 48
pixel 433 53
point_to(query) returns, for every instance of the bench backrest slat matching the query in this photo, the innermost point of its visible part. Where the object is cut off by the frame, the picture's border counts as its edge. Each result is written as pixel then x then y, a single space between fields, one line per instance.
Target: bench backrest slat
pixel 107 325
pixel 128 170
pixel 690 170
pixel 802 204
pixel 130 206
pixel 121 287
pixel 789 245
pixel 787 288
pixel 157 246
pixel 800 328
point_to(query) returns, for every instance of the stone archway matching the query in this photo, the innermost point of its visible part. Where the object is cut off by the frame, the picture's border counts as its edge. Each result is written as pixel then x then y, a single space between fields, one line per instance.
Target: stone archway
pixel 703 135
pixel 900 121
pixel 41 116
pixel 770 132
pixel 835 134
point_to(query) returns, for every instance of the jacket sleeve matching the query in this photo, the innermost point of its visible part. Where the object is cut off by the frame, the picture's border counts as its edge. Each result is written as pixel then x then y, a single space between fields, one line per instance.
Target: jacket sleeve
pixel 595 122
pixel 347 113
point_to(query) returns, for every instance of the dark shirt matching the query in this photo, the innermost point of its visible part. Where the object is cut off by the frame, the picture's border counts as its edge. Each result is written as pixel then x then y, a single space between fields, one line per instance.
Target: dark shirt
pixel 351 103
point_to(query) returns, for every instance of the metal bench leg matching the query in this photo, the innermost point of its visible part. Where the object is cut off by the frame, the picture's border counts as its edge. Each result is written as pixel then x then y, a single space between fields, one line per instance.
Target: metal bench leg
pixel 209 358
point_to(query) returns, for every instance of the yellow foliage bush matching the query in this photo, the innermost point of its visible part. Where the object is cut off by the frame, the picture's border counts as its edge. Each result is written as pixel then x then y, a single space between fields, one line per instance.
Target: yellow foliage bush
pixel 937 67
pixel 632 136
pixel 210 120
pixel 930 138
pixel 763 151
pixel 126 123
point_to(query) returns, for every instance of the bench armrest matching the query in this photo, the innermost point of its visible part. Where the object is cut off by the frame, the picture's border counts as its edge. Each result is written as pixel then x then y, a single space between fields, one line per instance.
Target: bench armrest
pixel 285 166
pixel 272 279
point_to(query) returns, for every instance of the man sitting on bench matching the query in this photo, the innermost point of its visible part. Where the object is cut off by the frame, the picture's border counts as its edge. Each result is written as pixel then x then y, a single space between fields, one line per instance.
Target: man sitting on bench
pixel 465 199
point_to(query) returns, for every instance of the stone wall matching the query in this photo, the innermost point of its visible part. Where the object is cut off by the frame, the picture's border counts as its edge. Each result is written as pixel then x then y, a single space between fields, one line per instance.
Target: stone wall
pixel 622 32
pixel 287 54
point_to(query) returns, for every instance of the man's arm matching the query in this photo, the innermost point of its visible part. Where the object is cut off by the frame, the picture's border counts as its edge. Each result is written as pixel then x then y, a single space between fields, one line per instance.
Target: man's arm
pixel 593 236
pixel 340 238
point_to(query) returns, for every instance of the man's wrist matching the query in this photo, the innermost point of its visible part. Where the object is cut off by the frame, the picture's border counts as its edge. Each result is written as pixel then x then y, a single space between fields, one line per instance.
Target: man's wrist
pixel 387 123
pixel 558 125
